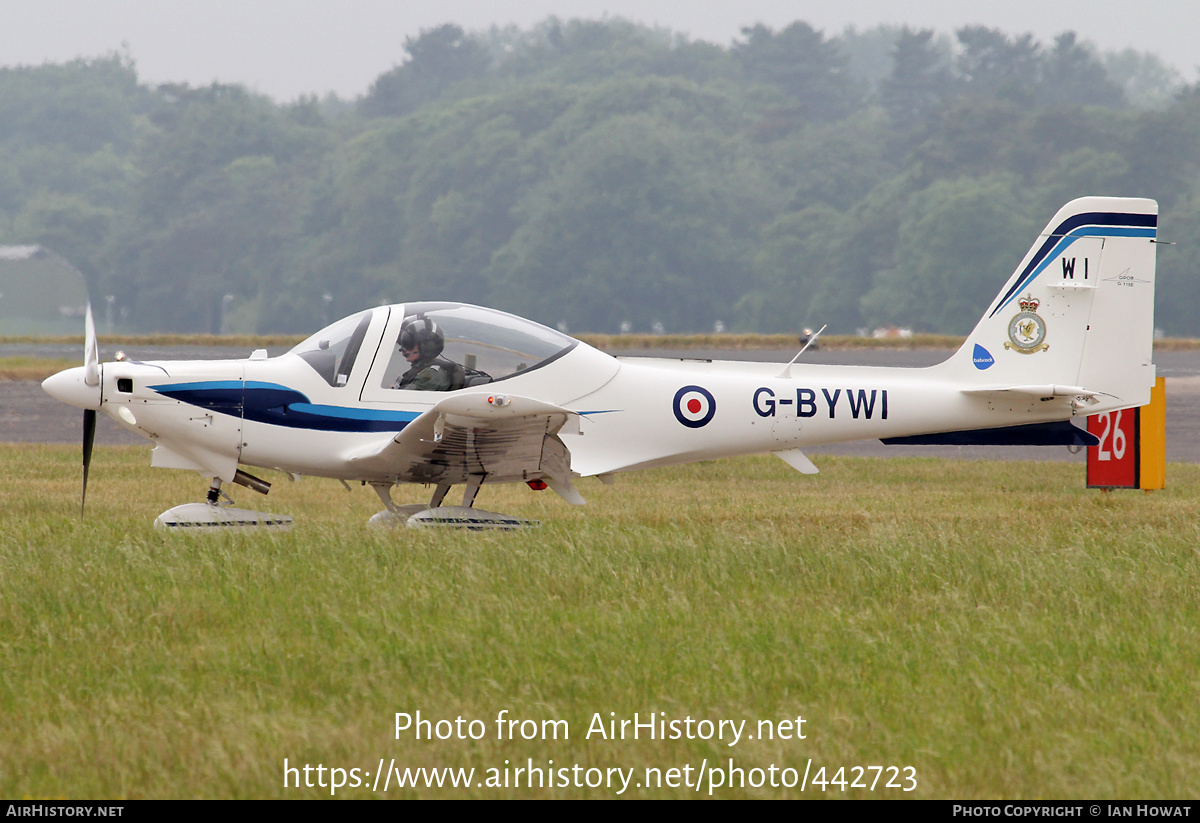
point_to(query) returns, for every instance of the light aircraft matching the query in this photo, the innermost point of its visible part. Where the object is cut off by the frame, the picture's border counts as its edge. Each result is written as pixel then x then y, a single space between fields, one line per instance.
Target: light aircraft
pixel 1069 334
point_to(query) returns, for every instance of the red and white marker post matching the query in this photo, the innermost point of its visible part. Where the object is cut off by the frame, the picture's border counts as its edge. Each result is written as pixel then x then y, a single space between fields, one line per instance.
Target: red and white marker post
pixel 1133 446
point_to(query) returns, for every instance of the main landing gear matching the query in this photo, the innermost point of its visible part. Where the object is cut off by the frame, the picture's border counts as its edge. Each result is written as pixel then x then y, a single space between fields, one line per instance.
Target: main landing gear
pixel 218 511
pixel 438 516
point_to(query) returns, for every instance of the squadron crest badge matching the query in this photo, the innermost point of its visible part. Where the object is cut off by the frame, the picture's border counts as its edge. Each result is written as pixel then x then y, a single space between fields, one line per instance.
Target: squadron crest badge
pixel 1027 330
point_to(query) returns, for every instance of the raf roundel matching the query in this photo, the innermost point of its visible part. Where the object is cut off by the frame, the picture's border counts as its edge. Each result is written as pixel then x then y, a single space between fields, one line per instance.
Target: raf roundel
pixel 694 406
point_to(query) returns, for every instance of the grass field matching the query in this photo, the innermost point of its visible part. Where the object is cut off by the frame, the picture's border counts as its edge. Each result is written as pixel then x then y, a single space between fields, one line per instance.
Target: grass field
pixel 995 626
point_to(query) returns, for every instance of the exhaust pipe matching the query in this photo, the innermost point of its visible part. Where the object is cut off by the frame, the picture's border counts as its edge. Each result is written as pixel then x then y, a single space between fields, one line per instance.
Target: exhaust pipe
pixel 251 482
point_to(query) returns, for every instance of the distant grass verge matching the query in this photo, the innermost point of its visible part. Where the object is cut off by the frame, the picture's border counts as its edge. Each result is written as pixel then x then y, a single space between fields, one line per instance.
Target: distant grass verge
pixel 32 368
pixel 249 341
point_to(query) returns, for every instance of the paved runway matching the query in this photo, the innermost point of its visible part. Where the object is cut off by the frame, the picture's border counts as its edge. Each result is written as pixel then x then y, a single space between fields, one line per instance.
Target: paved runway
pixel 28 415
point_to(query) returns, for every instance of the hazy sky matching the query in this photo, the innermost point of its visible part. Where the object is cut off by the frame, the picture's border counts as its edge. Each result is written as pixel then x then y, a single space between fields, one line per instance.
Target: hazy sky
pixel 286 48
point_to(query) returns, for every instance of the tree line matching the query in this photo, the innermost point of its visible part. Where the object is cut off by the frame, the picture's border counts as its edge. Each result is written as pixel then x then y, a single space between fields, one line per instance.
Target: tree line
pixel 602 176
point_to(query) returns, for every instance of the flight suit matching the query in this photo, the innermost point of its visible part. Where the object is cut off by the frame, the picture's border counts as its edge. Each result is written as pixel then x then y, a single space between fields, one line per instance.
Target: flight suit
pixel 428 374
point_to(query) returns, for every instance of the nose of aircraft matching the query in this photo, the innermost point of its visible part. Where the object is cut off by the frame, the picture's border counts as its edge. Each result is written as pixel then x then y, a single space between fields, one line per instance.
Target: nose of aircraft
pixel 70 386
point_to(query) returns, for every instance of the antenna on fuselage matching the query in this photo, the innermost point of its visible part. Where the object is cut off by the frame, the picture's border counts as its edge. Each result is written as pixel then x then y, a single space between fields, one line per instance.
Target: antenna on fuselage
pixel 787 370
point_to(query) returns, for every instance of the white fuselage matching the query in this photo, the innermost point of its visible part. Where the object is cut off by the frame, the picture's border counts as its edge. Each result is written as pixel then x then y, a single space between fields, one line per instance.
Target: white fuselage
pixel 634 412
pixel 757 410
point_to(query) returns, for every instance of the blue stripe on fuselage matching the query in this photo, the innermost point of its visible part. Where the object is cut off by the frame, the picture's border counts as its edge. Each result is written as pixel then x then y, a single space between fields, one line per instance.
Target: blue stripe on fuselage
pixel 278 405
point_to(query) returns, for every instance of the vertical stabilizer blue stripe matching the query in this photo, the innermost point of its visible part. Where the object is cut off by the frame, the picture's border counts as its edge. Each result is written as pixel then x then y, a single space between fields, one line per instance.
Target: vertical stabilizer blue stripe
pixel 1094 224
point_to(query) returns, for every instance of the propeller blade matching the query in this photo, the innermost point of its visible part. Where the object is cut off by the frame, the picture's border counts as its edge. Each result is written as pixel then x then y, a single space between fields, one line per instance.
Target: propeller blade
pixel 91 350
pixel 89 438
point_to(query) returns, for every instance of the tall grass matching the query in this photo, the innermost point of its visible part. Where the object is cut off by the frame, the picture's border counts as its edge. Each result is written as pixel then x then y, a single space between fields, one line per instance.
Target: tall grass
pixel 998 627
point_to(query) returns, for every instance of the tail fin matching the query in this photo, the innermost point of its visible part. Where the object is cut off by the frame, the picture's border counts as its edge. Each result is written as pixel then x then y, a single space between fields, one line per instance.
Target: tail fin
pixel 1077 316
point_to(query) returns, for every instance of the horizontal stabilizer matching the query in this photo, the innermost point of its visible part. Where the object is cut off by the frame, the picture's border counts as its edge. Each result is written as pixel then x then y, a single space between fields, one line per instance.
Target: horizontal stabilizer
pixel 1048 390
pixel 1059 433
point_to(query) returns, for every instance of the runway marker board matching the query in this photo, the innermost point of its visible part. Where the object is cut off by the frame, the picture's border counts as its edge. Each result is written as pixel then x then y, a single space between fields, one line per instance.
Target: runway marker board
pixel 1133 446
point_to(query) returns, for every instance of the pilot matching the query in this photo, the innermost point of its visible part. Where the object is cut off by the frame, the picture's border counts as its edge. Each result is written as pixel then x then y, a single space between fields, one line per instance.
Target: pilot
pixel 421 343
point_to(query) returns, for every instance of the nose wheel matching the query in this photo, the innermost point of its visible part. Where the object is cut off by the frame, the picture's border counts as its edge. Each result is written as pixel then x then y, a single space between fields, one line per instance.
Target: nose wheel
pixel 216 494
pixel 217 513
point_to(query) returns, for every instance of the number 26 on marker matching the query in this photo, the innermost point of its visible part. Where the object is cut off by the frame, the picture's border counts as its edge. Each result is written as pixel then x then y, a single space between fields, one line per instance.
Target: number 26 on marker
pixel 1112 426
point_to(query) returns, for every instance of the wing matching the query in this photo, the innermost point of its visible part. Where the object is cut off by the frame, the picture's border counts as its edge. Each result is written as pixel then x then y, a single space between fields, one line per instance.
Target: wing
pixel 503 438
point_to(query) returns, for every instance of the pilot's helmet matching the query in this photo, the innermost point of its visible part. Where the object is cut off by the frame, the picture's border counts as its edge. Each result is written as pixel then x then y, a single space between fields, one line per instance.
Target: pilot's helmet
pixel 422 334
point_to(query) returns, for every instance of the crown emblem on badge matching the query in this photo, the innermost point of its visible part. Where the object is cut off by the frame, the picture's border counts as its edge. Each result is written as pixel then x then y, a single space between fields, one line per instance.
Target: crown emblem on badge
pixel 1027 331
